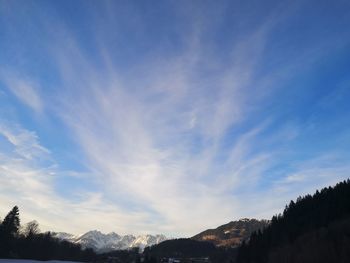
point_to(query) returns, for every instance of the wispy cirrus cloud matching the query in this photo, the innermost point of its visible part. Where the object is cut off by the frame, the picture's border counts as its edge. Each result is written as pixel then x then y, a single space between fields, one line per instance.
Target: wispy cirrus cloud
pixel 24 89
pixel 25 143
pixel 157 142
pixel 153 141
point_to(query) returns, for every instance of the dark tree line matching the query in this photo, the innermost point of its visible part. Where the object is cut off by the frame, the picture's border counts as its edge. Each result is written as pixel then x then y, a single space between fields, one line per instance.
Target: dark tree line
pixel 31 244
pixel 121 256
pixel 315 228
pixel 188 248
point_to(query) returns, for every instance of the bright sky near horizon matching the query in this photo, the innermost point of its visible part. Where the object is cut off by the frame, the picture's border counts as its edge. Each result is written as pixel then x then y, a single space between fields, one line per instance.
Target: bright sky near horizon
pixel 170 116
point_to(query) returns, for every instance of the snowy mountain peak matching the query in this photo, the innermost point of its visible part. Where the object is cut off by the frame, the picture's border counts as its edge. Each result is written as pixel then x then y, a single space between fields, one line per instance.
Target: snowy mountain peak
pixel 101 242
pixel 63 236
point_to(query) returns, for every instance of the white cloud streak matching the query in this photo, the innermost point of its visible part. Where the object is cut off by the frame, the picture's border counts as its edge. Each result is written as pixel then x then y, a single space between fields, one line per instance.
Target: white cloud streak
pixel 25 143
pixel 26 91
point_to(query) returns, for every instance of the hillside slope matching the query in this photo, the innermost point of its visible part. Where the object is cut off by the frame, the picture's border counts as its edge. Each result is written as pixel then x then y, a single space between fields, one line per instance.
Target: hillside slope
pixel 231 234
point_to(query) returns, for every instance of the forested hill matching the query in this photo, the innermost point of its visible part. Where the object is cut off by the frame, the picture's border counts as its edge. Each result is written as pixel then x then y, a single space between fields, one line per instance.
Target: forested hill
pixel 231 234
pixel 315 228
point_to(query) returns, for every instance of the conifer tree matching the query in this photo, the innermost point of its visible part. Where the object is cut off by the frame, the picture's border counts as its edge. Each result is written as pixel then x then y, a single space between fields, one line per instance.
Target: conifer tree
pixel 8 232
pixel 11 223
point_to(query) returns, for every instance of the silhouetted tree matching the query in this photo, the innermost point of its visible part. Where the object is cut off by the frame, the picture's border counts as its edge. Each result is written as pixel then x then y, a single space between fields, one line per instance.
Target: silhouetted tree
pixel 11 223
pixel 8 231
pixel 31 229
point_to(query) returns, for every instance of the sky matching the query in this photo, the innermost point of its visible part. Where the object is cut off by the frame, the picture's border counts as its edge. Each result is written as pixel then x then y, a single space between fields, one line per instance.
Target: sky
pixel 170 116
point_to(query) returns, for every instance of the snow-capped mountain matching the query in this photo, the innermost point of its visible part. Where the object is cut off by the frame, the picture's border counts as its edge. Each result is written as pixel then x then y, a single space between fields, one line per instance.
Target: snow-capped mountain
pixel 147 240
pixel 101 242
pixel 64 236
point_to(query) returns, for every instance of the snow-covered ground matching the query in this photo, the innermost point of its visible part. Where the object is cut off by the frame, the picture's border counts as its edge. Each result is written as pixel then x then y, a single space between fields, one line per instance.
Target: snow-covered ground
pixel 33 261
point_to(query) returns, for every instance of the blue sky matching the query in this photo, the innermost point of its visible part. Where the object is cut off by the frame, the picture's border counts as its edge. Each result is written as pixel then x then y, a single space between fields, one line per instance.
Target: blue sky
pixel 170 116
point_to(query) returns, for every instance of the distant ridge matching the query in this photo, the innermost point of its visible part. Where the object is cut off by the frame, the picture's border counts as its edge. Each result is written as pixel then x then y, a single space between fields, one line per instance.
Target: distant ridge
pixel 231 234
pixel 101 242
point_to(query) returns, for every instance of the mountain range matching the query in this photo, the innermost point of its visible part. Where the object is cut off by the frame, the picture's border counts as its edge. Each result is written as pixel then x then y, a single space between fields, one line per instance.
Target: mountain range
pixel 228 235
pixel 101 242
